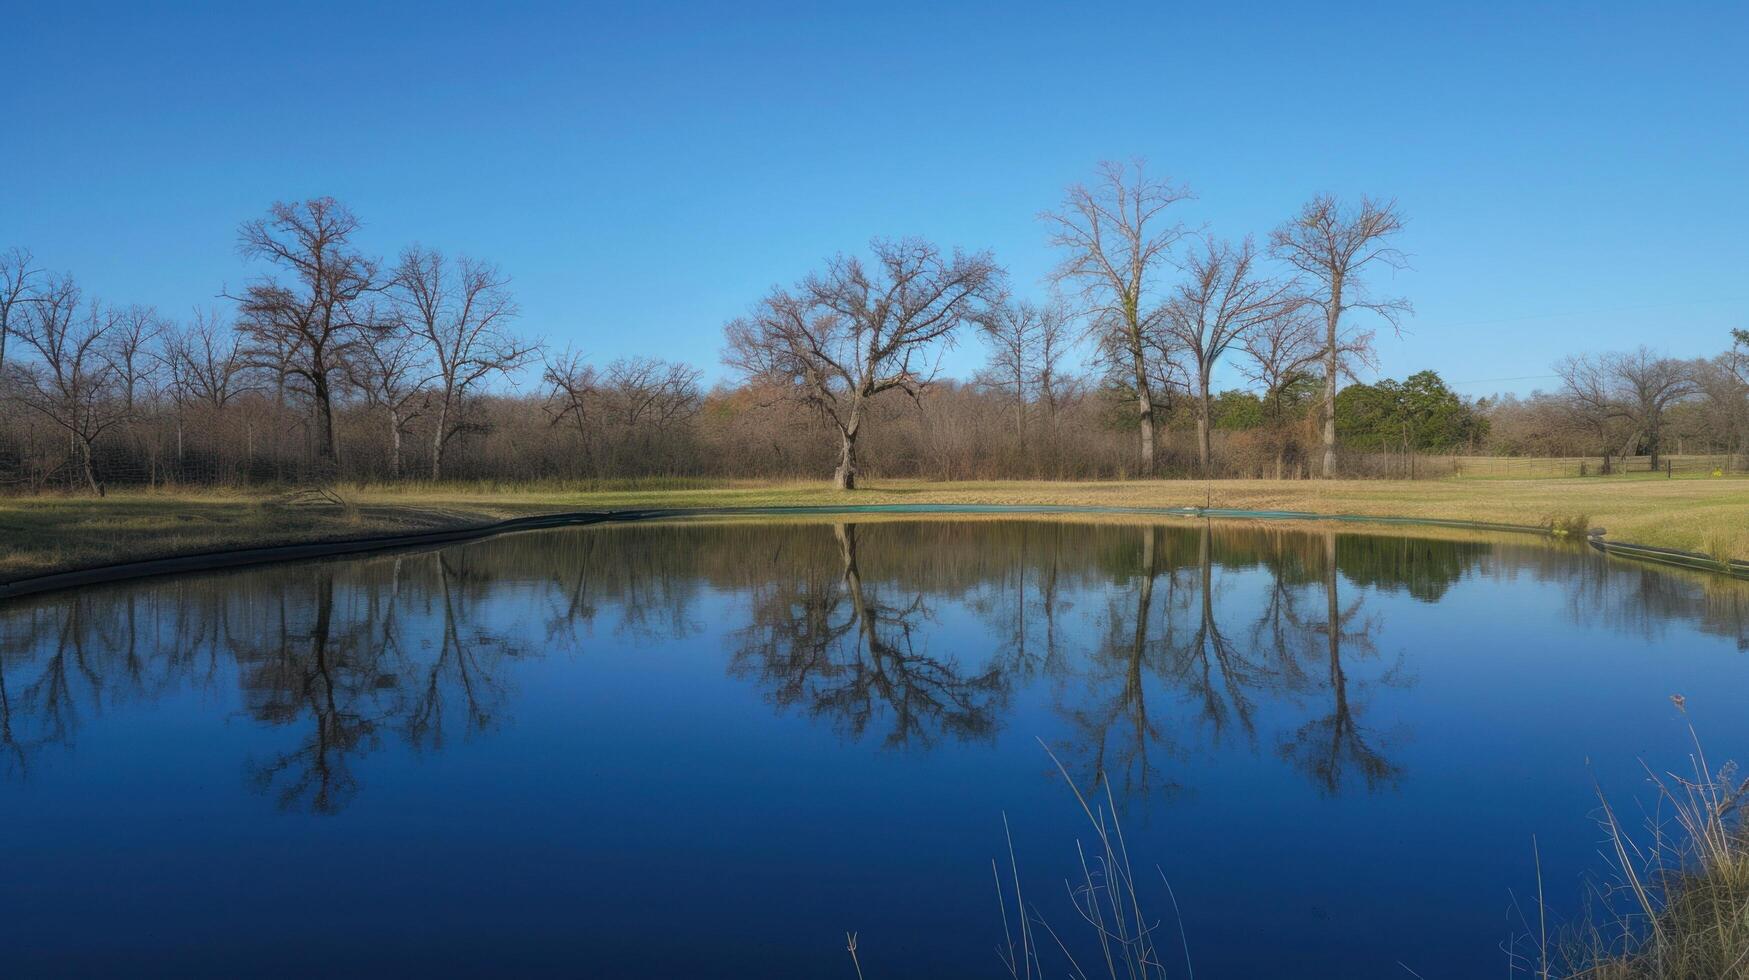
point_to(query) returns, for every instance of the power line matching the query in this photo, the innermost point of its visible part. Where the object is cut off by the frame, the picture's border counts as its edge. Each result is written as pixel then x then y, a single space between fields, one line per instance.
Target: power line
pixel 1615 309
pixel 1522 377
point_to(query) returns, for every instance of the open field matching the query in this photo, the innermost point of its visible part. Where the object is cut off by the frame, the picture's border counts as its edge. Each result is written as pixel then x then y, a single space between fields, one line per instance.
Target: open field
pixel 39 535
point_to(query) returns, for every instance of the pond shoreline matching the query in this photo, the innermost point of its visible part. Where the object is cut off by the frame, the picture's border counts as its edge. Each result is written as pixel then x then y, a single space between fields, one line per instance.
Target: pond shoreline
pixel 211 560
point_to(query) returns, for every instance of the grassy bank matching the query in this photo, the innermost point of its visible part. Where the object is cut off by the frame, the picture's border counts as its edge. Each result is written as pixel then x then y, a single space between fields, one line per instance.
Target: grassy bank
pixel 1676 902
pixel 52 533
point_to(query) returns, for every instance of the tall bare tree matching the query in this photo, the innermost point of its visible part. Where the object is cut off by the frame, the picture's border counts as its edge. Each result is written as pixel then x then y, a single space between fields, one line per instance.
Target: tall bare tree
pixel 132 348
pixel 72 381
pixel 205 362
pixel 1115 237
pixel 1624 396
pixel 650 392
pixel 1592 401
pixel 1014 333
pixel 204 368
pixel 304 326
pixel 1222 300
pixel 1281 352
pixel 17 269
pixel 571 383
pixel 1334 246
pixel 1653 383
pixel 391 370
pixel 1723 385
pixel 1056 386
pixel 848 334
pixel 463 310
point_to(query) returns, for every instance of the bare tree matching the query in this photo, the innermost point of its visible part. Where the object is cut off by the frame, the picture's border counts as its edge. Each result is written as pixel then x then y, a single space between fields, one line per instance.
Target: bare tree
pixel 1014 332
pixel 571 384
pixel 17 269
pixel 73 381
pixel 1723 385
pixel 304 327
pixel 390 370
pixel 1281 352
pixel 463 311
pixel 1626 394
pixel 1334 245
pixel 648 391
pixel 1592 401
pixel 204 367
pixel 1115 237
pixel 131 348
pixel 1729 389
pixel 1653 384
pixel 206 363
pixel 851 333
pixel 1056 387
pixel 1223 300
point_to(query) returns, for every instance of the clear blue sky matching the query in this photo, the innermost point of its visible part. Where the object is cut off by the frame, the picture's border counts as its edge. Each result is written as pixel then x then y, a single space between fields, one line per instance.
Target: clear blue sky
pixel 1577 176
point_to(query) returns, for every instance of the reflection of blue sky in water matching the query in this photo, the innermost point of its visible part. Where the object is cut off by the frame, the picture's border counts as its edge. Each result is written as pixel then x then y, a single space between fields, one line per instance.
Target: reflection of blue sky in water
pixel 673 749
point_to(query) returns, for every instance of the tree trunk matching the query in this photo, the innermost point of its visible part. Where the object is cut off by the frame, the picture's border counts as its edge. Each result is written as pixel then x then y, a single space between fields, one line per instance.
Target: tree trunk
pixel 394 444
pixel 1204 449
pixel 1331 365
pixel 89 466
pixel 845 478
pixel 327 448
pixel 1144 405
pixel 1628 449
pixel 439 439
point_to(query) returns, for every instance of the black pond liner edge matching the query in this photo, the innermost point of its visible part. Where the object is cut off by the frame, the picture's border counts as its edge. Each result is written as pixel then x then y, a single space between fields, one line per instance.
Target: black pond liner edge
pixel 239 557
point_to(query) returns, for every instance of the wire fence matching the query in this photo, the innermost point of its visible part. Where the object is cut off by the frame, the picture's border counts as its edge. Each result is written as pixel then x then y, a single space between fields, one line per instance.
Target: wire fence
pixel 201 458
pixel 1420 466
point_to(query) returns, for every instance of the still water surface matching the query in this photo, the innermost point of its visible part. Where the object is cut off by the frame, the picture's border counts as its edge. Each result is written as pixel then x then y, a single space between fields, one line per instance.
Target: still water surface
pixel 711 750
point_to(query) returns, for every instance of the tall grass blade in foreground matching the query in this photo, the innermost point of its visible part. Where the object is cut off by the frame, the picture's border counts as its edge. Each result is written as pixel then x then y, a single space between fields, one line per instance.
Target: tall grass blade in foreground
pixel 1106 897
pixel 1679 904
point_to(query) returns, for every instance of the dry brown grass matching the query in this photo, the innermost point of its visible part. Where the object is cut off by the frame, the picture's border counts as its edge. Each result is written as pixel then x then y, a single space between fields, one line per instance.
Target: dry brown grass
pixel 1683 884
pixel 39 535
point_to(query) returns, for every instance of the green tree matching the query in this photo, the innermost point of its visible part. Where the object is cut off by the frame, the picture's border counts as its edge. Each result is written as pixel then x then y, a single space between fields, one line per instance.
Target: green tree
pixel 1235 410
pixel 1419 412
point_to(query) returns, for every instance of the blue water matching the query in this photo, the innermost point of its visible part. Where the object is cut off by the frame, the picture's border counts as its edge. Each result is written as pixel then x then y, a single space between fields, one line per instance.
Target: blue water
pixel 712 750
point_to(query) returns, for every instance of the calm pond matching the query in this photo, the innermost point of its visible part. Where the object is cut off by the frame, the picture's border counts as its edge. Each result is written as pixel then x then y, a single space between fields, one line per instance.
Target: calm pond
pixel 712 749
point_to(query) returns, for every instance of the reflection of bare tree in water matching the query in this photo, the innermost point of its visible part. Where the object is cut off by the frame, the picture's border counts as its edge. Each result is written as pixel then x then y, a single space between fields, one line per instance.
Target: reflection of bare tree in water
pixel 1179 648
pixel 1023 613
pixel 1217 672
pixel 1278 637
pixel 839 650
pixel 1120 664
pixel 575 601
pixel 465 666
pixel 51 699
pixel 10 747
pixel 1182 646
pixel 351 677
pixel 330 679
pixel 1329 747
pixel 67 658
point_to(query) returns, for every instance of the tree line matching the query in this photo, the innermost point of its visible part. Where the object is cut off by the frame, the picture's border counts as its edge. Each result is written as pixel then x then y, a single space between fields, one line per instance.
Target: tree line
pixel 329 363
